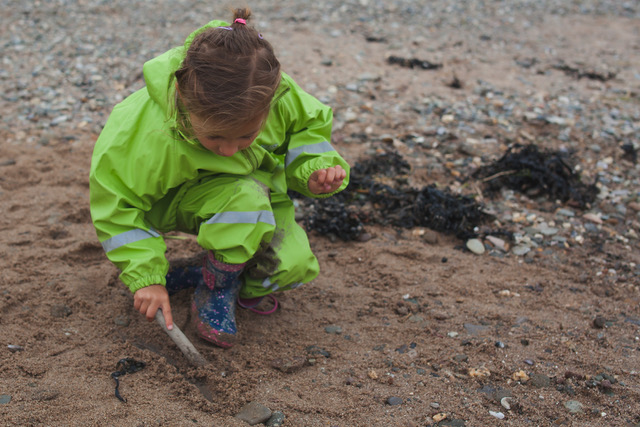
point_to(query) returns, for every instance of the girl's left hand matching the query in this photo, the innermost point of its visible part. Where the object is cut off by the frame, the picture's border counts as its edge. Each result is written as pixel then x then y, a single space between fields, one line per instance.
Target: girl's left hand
pixel 326 180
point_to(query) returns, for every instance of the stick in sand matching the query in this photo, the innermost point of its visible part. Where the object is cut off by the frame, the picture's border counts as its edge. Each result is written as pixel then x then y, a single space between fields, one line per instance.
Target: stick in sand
pixel 181 341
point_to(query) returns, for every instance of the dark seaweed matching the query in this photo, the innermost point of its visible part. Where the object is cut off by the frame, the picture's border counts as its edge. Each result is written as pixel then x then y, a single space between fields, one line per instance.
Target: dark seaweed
pixel 123 367
pixel 378 193
pixel 527 169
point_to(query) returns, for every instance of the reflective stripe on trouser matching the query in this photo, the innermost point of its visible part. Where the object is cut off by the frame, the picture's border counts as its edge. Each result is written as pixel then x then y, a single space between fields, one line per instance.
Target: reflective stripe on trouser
pixel 235 217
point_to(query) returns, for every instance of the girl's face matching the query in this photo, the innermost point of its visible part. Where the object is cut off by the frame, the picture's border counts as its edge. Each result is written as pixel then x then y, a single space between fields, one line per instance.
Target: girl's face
pixel 227 143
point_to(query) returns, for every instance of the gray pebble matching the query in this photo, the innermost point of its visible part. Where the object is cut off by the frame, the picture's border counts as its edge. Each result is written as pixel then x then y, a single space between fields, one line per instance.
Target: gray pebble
pixel 333 329
pixel 4 399
pixel 573 406
pixel 122 320
pixel 394 401
pixel 254 413
pixel 540 380
pixel 276 420
pixel 60 310
pixel 521 250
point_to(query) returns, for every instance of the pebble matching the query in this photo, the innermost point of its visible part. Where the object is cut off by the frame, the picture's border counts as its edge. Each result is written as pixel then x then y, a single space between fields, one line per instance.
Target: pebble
pixel 475 246
pixel 498 415
pixel 540 380
pixel 254 413
pixel 122 320
pixel 506 402
pixel 521 250
pixel 573 406
pixel 60 310
pixel 276 419
pixel 333 329
pixel 289 364
pixel 394 401
pixel 498 243
pixel 15 348
pixel 4 399
pixel 476 330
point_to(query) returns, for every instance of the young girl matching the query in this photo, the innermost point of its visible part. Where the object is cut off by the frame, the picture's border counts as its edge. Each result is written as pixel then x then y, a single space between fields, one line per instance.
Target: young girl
pixel 210 147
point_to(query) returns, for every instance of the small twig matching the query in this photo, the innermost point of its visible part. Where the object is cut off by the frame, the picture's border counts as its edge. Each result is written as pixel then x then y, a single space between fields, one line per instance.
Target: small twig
pixel 497 175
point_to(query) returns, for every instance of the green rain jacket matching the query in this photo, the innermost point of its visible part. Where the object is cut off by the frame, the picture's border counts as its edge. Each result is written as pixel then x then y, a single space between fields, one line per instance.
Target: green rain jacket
pixel 140 161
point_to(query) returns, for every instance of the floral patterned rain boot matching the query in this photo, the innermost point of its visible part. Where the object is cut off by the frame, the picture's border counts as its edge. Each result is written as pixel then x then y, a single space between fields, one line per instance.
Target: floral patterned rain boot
pixel 214 301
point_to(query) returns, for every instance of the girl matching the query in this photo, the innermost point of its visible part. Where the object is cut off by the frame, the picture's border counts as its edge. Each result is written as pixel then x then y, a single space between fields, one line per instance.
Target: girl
pixel 210 147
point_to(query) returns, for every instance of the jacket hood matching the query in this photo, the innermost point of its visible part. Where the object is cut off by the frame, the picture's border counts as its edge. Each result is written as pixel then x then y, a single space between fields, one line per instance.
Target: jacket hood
pixel 159 71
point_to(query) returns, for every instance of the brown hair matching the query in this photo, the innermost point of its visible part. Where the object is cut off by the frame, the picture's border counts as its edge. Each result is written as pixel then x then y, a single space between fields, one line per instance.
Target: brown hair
pixel 228 77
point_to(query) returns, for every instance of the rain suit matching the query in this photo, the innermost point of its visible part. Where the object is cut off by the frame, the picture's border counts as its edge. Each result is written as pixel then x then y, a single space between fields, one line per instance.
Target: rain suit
pixel 147 178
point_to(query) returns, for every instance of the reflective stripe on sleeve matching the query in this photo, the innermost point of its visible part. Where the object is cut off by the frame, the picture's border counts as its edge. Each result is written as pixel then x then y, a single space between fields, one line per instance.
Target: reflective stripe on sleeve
pixel 128 237
pixel 253 217
pixel 318 148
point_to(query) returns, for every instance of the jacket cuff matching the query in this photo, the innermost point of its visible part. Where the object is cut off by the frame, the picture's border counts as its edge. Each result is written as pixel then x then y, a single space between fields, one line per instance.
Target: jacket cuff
pixel 155 279
pixel 309 167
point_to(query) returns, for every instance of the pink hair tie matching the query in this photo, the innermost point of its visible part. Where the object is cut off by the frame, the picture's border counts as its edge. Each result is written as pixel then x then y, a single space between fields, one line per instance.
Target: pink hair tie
pixel 240 21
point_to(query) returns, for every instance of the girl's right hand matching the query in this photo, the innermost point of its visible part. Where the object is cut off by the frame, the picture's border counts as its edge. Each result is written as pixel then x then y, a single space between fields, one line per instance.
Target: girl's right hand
pixel 149 299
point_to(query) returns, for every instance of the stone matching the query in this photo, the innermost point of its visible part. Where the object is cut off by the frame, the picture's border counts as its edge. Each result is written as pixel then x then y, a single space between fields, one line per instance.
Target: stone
pixel 60 311
pixel 289 364
pixel 394 401
pixel 540 380
pixel 122 320
pixel 4 399
pixel 476 330
pixel 521 250
pixel 254 413
pixel 573 406
pixel 333 329
pixel 498 243
pixel 475 246
pixel 276 419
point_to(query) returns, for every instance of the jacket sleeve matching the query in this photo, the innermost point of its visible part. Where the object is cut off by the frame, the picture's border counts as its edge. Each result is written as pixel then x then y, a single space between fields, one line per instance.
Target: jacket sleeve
pixel 308 148
pixel 120 194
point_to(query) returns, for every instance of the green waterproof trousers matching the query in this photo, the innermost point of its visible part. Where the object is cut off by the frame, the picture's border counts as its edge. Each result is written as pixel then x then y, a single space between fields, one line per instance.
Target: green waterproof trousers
pixel 241 220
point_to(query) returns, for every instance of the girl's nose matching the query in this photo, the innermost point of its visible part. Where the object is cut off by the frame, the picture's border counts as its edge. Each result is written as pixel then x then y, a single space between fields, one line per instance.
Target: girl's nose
pixel 228 150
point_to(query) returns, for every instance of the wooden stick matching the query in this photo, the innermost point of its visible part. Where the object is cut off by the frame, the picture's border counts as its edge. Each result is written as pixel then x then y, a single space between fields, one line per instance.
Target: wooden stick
pixel 183 343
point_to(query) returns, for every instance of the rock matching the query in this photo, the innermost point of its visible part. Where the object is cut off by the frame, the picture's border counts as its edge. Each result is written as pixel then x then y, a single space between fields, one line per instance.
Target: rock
pixel 460 358
pixel 4 399
pixel 333 329
pixel 476 330
pixel 122 320
pixel 498 415
pixel 498 243
pixel 45 395
pixel 15 348
pixel 521 250
pixel 314 350
pixel 254 413
pixel 452 423
pixel 289 364
pixel 599 322
pixel 60 311
pixel 394 401
pixel 573 406
pixel 595 218
pixel 506 402
pixel 430 237
pixel 276 420
pixel 540 380
pixel 475 246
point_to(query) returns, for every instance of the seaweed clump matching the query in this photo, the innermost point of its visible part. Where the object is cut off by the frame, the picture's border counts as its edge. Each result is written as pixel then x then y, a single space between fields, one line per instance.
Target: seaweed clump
pixel 529 170
pixel 379 193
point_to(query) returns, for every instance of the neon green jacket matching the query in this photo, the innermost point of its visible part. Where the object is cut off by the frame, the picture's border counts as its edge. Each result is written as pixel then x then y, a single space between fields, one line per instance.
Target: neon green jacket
pixel 140 160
